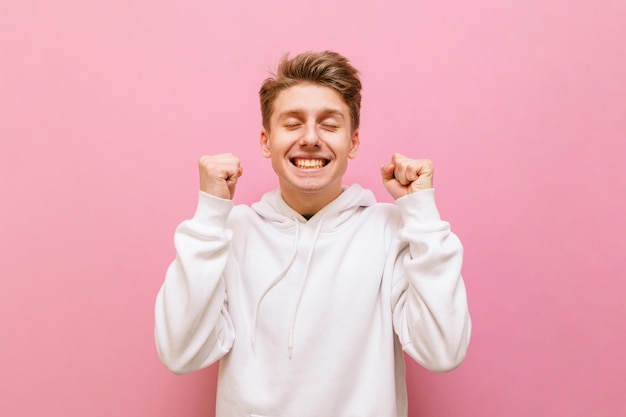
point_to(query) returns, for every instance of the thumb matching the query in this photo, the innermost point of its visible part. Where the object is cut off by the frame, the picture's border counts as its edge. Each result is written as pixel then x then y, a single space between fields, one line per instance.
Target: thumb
pixel 390 182
pixel 386 171
pixel 231 181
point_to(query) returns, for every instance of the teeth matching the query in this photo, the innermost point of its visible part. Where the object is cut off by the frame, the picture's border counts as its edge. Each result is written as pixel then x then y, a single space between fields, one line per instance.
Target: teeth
pixel 309 163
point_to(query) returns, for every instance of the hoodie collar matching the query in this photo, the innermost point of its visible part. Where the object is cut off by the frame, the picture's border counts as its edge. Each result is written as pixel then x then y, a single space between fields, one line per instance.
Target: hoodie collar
pixel 273 208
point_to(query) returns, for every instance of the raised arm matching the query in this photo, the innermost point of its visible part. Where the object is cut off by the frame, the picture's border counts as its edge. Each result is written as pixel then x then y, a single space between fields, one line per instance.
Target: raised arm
pixel 430 311
pixel 193 328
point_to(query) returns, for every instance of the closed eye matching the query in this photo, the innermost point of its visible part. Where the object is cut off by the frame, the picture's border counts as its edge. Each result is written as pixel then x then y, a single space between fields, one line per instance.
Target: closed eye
pixel 330 127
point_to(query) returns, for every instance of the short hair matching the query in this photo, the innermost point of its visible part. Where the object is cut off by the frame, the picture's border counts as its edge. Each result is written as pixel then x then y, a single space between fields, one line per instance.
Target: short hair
pixel 326 68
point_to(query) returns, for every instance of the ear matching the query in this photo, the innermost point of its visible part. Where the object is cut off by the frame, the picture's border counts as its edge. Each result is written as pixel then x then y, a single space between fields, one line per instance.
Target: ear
pixel 354 144
pixel 265 143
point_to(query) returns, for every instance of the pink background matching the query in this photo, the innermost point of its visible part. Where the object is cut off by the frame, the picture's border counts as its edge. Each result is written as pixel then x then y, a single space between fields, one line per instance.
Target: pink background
pixel 106 105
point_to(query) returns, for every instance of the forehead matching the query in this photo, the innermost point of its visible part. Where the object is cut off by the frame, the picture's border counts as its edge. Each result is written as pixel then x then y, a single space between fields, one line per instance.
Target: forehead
pixel 309 98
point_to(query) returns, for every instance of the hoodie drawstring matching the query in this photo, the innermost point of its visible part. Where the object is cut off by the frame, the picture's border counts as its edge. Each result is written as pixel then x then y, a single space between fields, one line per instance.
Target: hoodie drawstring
pixel 276 281
pixel 280 276
pixel 304 280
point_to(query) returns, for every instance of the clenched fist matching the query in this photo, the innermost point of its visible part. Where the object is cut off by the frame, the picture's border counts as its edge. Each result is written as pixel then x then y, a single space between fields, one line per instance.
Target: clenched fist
pixel 219 174
pixel 405 175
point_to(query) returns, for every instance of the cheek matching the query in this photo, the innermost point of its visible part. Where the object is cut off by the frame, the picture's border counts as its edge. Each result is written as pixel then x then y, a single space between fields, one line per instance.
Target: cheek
pixel 280 165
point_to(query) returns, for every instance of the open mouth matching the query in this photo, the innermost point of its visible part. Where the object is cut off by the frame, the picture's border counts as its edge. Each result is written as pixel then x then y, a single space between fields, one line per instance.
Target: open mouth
pixel 305 163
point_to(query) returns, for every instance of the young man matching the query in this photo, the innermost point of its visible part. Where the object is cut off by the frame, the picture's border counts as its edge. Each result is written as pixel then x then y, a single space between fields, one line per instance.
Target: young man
pixel 309 297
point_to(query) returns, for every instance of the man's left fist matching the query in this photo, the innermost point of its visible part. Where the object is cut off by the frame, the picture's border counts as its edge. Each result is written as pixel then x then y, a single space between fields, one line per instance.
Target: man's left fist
pixel 405 175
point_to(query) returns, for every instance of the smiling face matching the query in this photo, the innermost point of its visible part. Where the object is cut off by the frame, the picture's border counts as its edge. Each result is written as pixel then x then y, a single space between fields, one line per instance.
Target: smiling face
pixel 309 140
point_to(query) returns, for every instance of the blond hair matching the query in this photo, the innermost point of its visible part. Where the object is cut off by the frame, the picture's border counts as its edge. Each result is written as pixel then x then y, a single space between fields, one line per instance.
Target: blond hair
pixel 326 68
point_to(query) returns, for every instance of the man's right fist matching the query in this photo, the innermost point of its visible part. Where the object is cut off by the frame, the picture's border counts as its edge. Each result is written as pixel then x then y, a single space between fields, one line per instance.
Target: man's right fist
pixel 219 174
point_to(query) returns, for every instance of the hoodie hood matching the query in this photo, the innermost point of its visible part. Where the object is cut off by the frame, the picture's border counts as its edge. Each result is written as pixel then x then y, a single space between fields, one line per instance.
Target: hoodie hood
pixel 274 209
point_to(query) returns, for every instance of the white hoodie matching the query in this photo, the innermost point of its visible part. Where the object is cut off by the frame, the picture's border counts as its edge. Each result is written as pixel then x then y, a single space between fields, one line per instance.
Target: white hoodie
pixel 310 318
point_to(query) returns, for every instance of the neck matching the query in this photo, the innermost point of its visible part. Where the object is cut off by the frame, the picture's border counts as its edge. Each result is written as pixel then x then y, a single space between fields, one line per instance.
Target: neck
pixel 308 204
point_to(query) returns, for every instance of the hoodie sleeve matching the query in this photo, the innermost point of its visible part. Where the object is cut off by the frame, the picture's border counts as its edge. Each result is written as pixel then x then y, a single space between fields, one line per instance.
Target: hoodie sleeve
pixel 192 326
pixel 430 311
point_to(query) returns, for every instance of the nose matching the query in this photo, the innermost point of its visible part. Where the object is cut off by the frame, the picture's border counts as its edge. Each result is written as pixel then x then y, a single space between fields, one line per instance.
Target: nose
pixel 310 136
